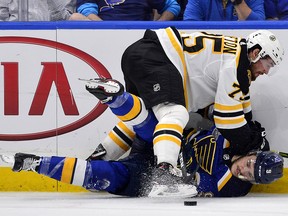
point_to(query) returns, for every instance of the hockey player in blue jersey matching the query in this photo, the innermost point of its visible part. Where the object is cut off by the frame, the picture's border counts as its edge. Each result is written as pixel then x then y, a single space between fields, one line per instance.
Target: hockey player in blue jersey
pixel 219 173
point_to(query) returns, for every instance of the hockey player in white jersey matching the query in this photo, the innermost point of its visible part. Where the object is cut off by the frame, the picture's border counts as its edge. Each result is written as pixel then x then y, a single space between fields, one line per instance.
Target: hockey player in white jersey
pixel 175 73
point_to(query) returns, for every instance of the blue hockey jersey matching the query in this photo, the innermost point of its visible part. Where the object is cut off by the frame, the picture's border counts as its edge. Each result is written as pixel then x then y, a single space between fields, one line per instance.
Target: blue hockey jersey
pixel 208 150
pixel 131 176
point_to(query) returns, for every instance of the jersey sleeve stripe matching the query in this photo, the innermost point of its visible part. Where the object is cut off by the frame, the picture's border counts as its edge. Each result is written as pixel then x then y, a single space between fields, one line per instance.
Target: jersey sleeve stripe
pixel 226 144
pixel 225 178
pixel 222 107
pixel 247 97
pixel 230 121
pixel 246 104
pixel 228 114
pixel 247 107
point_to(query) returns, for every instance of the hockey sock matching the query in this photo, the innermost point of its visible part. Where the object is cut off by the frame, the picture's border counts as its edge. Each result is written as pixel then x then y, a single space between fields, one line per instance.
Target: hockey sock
pixel 64 169
pixel 131 110
pixel 168 132
pixel 93 175
pixel 118 141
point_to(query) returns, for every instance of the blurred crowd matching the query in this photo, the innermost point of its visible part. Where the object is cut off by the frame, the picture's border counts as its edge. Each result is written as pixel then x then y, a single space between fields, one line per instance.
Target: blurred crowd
pixel 143 10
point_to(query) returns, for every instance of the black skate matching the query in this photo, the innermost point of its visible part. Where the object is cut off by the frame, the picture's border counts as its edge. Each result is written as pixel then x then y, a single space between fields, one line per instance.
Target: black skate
pixel 104 89
pixel 98 154
pixel 22 161
pixel 167 181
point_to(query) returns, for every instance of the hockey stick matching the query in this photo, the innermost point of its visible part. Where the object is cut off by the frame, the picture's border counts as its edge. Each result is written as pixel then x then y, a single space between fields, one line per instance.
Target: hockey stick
pixel 188 179
pixel 183 165
pixel 283 154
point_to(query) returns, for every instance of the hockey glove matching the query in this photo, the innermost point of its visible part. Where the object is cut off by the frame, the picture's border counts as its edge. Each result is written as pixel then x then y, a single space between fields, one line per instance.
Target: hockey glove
pixel 259 142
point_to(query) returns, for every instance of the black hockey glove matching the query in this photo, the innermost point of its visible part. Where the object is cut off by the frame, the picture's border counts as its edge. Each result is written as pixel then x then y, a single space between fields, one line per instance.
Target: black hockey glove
pixel 259 140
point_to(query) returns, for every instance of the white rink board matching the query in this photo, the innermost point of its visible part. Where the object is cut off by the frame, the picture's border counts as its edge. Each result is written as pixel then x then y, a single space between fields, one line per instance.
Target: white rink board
pixel 269 96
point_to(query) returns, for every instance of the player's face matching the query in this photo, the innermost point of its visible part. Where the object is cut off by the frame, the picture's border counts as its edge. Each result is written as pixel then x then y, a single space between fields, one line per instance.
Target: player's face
pixel 243 168
pixel 262 66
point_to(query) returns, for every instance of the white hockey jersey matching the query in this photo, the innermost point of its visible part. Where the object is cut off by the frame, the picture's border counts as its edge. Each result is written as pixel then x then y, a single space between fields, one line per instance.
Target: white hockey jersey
pixel 209 66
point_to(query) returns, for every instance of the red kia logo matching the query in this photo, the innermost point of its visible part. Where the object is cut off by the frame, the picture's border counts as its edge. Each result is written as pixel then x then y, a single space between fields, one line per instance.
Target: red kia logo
pixel 49 77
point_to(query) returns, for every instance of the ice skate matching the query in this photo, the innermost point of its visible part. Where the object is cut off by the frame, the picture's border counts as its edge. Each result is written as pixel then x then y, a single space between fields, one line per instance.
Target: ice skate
pixel 168 182
pixel 99 152
pixel 104 89
pixel 21 161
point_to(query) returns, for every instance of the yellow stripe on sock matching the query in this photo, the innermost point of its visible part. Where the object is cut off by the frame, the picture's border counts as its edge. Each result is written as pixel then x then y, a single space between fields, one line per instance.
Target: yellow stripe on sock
pixel 176 127
pixel 135 110
pixel 127 131
pixel 68 170
pixel 118 141
pixel 167 138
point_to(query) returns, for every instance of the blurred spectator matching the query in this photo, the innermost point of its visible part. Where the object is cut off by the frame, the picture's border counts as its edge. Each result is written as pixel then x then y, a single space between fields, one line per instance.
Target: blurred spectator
pixel 276 9
pixel 38 10
pixel 224 10
pixel 61 9
pixel 182 4
pixel 136 10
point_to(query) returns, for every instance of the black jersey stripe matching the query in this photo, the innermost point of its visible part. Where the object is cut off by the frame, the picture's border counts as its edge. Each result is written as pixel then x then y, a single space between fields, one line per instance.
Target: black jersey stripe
pixel 228 115
pixel 247 97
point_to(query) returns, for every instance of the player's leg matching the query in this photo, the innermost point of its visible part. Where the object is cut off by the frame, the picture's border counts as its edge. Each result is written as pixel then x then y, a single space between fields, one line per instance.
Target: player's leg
pixel 91 175
pixel 116 143
pixel 135 118
pixel 168 132
pixel 160 85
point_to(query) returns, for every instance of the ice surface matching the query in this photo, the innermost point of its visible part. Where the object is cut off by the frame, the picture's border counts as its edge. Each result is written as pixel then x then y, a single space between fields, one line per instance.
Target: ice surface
pixel 103 204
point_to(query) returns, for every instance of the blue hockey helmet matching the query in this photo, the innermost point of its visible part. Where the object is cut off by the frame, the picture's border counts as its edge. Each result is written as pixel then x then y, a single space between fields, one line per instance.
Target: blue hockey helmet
pixel 268 167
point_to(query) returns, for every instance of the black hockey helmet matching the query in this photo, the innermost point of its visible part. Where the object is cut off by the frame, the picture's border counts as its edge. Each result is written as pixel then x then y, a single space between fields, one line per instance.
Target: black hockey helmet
pixel 268 167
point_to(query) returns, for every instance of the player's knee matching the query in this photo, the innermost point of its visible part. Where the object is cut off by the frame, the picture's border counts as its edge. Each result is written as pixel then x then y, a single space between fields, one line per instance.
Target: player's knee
pixel 171 113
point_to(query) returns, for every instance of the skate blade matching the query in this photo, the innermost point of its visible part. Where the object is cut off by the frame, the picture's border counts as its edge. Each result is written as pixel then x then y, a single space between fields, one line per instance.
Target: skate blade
pixel 116 87
pixel 177 191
